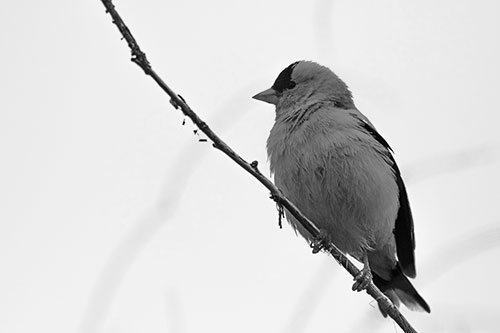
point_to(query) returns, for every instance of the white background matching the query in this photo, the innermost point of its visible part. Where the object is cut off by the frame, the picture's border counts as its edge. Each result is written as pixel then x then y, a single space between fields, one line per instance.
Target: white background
pixel 114 218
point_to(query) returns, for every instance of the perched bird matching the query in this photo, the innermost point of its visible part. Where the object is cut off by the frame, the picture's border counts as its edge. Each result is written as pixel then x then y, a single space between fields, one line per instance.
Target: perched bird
pixel 330 161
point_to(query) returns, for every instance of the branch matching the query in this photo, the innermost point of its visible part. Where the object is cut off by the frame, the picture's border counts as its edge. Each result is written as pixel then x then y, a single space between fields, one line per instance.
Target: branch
pixel 140 59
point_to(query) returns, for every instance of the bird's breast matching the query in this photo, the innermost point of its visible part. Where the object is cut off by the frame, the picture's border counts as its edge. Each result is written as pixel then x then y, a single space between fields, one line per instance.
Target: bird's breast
pixel 337 178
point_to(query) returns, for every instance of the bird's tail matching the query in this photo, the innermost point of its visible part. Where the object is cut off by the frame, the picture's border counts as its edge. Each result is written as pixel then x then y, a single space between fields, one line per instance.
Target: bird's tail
pixel 400 290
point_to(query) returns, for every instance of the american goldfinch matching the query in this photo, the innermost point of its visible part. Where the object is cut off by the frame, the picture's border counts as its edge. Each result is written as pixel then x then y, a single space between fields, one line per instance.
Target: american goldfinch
pixel 329 160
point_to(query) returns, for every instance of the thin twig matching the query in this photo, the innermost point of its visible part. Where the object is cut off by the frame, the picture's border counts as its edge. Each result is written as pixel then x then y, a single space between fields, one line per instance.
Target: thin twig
pixel 140 59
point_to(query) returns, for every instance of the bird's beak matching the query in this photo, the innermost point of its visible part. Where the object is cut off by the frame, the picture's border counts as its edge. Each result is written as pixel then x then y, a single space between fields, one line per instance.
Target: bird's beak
pixel 269 96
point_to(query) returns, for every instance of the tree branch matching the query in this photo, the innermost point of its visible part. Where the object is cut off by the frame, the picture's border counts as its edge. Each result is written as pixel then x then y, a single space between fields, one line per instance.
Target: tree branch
pixel 140 59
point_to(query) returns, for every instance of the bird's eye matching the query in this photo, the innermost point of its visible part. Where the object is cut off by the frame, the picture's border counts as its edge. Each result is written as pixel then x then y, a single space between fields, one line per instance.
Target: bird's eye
pixel 291 85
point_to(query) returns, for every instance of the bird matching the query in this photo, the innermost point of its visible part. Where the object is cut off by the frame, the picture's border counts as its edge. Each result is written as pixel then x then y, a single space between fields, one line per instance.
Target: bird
pixel 331 162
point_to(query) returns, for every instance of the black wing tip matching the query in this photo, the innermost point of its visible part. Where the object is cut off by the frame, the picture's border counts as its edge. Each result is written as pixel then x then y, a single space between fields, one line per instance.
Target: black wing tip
pixel 403 231
pixel 410 271
pixel 400 290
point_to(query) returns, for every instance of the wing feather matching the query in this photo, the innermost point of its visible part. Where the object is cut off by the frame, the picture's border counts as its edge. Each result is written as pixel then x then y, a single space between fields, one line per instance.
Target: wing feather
pixel 403 231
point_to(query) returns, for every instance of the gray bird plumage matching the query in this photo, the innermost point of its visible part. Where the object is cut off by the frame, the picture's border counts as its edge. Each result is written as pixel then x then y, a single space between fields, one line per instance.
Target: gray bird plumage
pixel 331 162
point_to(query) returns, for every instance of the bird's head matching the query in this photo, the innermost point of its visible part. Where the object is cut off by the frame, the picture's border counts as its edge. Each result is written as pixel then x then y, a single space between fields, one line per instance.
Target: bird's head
pixel 304 82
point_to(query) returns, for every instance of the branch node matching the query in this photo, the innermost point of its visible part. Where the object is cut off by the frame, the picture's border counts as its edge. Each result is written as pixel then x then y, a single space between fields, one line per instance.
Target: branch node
pixel 255 167
pixel 202 126
pixel 177 106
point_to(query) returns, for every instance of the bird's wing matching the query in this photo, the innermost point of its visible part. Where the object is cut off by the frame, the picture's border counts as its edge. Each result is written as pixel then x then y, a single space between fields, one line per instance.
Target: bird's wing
pixel 360 116
pixel 403 231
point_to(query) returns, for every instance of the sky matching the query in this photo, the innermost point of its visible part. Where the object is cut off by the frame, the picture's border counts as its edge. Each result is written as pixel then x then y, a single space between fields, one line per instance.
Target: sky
pixel 114 217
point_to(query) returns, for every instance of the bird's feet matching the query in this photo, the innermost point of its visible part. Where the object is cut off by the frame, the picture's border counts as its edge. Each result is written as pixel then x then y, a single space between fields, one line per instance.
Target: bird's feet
pixel 321 242
pixel 363 279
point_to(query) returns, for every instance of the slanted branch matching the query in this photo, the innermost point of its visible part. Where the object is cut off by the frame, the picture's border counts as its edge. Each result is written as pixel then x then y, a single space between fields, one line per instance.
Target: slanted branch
pixel 139 58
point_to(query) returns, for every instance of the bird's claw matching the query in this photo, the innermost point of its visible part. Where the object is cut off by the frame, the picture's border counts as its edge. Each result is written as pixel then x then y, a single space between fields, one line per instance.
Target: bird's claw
pixel 321 242
pixel 362 280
